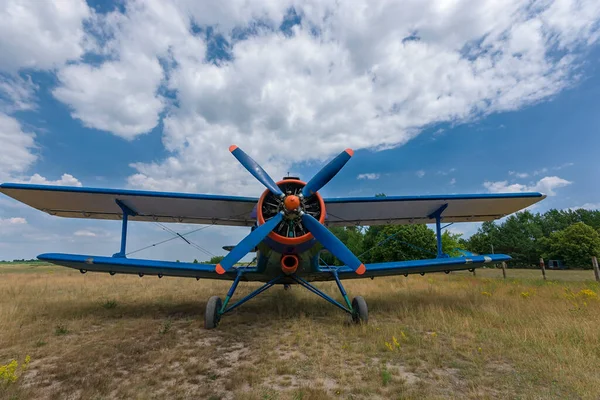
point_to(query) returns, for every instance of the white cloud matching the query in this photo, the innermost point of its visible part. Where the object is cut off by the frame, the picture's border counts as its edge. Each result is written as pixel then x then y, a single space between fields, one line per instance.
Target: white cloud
pixel 13 221
pixel 122 95
pixel 587 206
pixel 521 175
pixel 565 165
pixel 119 97
pixel 16 151
pixel 540 171
pixel 420 173
pixel 546 185
pixel 334 81
pixel 85 233
pixel 65 180
pixel 368 176
pixel 342 88
pixel 446 172
pixel 452 181
pixel 17 93
pixel 41 34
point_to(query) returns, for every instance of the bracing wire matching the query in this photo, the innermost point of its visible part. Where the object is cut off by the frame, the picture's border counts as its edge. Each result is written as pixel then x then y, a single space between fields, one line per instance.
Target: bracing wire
pixel 177 236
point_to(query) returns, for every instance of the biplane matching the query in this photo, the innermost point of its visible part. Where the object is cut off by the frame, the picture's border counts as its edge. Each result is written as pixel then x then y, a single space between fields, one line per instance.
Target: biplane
pixel 288 231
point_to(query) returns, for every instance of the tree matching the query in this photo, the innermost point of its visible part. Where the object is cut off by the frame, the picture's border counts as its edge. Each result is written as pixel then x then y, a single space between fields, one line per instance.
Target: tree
pixel 351 236
pixel 400 242
pixel 195 261
pixel 575 245
pixel 216 259
pixel 451 243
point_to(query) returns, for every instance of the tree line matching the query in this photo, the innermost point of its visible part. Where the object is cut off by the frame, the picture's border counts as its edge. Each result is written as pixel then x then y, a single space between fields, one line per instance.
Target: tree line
pixel 571 236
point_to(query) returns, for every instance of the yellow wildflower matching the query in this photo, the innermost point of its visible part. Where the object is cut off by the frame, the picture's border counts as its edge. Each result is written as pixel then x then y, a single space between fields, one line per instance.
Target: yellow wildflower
pixel 588 293
pixel 389 346
pixel 525 294
pixel 395 341
pixel 486 293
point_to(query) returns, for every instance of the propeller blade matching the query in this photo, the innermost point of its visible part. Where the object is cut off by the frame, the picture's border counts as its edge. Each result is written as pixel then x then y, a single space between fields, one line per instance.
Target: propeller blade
pixel 332 243
pixel 248 244
pixel 327 173
pixel 256 170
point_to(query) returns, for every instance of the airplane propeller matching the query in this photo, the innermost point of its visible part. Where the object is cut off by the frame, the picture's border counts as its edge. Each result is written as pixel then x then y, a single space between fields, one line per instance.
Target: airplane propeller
pixel 247 244
pixel 332 243
pixel 256 170
pixel 327 173
pixel 291 204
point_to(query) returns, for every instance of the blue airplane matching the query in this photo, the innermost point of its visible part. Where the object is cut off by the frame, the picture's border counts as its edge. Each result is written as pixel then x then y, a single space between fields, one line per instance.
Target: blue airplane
pixel 288 231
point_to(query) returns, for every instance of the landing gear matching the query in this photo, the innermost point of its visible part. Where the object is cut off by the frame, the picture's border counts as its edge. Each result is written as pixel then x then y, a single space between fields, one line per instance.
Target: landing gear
pixel 215 308
pixel 212 316
pixel 360 312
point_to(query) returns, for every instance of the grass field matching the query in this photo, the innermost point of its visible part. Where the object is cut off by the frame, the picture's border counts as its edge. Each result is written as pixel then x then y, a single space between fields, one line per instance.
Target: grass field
pixel 95 336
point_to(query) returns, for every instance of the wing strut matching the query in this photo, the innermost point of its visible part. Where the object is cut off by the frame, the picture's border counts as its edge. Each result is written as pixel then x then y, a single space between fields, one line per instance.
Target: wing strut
pixel 437 214
pixel 127 211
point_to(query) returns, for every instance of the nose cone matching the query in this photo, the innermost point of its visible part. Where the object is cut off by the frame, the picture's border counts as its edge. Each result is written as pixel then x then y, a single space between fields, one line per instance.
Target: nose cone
pixel 291 202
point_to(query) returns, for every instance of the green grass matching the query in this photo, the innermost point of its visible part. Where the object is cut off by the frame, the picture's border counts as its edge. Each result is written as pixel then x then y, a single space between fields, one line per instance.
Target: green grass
pixel 449 336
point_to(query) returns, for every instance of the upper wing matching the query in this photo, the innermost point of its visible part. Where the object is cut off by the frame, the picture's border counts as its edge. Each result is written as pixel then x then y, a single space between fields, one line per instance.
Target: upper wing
pixel 417 209
pixel 423 266
pixel 77 202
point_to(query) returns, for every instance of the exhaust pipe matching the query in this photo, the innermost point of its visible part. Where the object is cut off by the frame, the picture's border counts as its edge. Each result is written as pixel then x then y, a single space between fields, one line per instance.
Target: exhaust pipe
pixel 289 263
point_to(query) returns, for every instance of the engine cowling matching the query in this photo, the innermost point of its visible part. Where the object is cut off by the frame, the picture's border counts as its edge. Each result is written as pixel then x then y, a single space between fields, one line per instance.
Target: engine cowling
pixel 290 230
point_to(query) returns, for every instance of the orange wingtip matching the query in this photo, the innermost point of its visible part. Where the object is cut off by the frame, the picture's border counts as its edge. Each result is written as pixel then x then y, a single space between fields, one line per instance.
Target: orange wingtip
pixel 232 148
pixel 219 269
pixel 361 270
pixel 350 152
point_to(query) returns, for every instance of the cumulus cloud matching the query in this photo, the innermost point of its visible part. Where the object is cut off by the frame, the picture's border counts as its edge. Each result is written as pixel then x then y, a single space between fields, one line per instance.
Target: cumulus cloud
pixel 41 34
pixel 546 185
pixel 366 75
pixel 118 97
pixel 372 77
pixel 452 181
pixel 65 180
pixel 370 176
pixel 17 149
pixel 420 173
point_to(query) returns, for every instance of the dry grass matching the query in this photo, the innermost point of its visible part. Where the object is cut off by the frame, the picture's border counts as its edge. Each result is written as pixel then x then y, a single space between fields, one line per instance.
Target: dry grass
pixel 99 337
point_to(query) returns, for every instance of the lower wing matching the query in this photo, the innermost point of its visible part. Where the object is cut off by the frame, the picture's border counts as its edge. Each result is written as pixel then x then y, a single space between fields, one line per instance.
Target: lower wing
pixel 422 266
pixel 122 265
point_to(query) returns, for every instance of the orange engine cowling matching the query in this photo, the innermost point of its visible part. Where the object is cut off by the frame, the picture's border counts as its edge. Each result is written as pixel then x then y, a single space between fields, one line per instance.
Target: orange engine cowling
pixel 290 231
pixel 289 263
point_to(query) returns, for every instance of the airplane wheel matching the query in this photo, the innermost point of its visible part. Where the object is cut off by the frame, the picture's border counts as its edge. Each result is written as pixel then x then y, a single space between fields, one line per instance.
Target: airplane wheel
pixel 211 316
pixel 361 312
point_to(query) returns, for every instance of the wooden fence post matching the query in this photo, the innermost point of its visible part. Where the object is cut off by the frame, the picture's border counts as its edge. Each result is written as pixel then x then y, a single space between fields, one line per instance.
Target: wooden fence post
pixel 543 268
pixel 596 270
pixel 504 269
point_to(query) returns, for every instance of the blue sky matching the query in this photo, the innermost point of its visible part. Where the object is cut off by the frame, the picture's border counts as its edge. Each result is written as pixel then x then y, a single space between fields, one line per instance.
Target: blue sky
pixel 472 98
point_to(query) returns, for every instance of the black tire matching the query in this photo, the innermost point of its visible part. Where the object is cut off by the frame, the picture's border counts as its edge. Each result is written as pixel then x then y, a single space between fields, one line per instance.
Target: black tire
pixel 211 316
pixel 361 312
